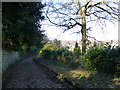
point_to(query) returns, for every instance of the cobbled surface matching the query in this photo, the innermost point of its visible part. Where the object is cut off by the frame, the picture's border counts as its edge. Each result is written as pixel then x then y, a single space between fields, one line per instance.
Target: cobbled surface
pixel 27 74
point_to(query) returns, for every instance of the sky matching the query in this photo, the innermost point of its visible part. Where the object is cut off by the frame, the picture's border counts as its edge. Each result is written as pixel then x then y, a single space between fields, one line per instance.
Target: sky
pixel 109 33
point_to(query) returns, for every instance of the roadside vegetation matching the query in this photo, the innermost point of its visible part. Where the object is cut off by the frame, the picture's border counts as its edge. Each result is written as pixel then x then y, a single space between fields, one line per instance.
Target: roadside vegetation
pixel 95 66
pixel 99 67
pixel 21 27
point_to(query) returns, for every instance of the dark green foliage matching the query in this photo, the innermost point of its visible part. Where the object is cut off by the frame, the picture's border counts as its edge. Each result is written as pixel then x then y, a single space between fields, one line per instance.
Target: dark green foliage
pixel 103 58
pixel 46 53
pixel 77 51
pixel 49 46
pixel 64 54
pixel 47 50
pixel 20 24
pixel 60 54
pixel 50 51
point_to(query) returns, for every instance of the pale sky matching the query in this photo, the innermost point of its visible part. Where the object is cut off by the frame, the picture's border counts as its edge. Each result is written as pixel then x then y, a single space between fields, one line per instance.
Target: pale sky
pixel 110 33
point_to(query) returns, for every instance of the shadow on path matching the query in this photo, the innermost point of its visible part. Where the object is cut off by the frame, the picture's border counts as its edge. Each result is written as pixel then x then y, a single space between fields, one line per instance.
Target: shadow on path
pixel 27 74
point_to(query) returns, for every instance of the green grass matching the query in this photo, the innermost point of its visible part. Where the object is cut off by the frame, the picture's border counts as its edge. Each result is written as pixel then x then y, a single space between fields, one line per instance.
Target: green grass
pixel 81 77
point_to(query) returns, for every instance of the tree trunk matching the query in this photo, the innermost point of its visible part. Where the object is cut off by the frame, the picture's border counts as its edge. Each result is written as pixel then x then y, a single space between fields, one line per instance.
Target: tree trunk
pixel 83 32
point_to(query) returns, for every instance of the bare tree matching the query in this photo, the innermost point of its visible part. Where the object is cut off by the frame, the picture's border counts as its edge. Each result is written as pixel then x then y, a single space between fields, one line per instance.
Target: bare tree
pixel 78 13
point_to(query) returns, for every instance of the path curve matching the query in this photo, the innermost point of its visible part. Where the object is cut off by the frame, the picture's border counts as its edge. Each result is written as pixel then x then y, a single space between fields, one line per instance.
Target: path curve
pixel 27 74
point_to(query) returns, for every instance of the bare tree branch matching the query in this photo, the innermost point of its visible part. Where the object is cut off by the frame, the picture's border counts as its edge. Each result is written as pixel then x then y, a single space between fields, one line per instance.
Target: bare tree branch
pixel 92 5
pixel 76 13
pixel 94 38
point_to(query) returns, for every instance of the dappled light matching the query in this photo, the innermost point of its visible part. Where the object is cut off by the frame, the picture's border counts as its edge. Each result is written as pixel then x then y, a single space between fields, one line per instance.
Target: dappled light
pixel 97 68
pixel 32 59
pixel 79 73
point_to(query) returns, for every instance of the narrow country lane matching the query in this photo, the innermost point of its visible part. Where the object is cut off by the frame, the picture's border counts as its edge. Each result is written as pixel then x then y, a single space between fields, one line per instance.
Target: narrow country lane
pixel 27 74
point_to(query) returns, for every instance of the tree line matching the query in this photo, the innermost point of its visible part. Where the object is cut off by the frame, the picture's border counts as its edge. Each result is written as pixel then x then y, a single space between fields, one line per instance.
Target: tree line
pixel 21 25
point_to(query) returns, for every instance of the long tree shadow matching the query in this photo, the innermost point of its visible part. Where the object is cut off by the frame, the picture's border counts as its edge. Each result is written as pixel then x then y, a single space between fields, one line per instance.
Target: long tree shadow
pixel 98 80
pixel 93 80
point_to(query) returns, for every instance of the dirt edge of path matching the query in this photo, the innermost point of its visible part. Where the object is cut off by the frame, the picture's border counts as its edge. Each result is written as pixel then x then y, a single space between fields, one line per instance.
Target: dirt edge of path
pixel 55 74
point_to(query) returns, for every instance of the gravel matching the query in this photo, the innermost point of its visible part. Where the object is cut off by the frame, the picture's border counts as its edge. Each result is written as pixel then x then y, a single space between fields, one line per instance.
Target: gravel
pixel 27 74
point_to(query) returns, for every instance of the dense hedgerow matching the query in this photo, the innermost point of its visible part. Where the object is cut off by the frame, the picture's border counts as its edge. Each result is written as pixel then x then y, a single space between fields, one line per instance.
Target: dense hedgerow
pixel 102 58
pixel 50 51
pixel 97 57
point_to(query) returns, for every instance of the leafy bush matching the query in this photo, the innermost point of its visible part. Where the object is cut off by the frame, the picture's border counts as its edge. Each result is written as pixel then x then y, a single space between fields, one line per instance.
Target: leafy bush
pixel 50 51
pixel 77 54
pixel 63 55
pixel 77 51
pixel 46 53
pixel 49 46
pixel 97 57
pixel 103 58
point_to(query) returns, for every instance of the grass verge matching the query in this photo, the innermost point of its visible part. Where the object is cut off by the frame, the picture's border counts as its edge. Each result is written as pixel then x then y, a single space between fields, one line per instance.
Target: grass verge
pixel 80 77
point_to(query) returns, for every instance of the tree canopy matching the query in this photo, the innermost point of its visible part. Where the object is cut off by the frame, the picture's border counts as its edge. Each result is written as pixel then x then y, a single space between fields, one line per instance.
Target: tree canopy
pixel 21 24
pixel 78 13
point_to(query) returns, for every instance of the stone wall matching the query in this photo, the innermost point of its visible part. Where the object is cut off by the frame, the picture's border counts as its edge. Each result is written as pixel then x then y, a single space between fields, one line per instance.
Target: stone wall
pixel 9 58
